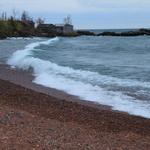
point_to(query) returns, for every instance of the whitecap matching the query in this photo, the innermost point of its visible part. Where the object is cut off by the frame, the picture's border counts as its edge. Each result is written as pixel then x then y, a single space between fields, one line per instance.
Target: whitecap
pixel 77 82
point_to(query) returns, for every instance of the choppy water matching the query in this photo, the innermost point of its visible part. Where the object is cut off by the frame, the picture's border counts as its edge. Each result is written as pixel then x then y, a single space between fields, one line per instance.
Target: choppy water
pixel 113 71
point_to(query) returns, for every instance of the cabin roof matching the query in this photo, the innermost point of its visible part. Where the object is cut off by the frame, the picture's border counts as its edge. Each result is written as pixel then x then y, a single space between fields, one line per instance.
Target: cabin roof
pixel 62 25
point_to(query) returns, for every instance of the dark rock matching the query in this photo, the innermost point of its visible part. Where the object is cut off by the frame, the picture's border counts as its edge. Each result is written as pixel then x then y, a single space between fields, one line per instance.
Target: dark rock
pixel 87 33
pixel 129 33
pixel 109 34
pixel 2 36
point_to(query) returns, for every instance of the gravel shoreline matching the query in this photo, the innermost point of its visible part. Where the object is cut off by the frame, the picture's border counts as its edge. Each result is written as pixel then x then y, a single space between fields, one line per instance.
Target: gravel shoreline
pixel 32 120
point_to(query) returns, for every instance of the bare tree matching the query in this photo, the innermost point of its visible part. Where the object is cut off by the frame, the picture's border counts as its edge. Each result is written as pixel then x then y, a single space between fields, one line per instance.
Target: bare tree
pixel 25 16
pixel 3 16
pixel 40 21
pixel 68 20
pixel 14 12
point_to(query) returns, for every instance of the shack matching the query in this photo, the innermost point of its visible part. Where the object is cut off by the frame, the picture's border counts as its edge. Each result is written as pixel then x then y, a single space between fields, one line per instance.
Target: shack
pixel 58 28
pixel 64 28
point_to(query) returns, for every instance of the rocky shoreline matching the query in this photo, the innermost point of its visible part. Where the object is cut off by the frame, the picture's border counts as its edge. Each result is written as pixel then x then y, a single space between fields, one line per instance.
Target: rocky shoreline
pixel 140 32
pixel 39 34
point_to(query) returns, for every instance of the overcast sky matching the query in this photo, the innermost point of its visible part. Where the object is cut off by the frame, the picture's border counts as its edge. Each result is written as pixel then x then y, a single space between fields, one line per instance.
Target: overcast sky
pixel 86 13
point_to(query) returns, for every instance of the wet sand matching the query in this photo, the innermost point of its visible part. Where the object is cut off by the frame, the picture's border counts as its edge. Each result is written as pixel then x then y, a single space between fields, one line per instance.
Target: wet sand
pixel 33 119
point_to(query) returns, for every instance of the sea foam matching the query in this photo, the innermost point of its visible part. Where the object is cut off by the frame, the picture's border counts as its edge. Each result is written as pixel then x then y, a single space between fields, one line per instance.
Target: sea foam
pixel 79 82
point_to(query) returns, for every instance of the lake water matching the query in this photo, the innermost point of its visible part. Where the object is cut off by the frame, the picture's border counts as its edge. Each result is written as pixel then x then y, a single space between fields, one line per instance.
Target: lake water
pixel 113 71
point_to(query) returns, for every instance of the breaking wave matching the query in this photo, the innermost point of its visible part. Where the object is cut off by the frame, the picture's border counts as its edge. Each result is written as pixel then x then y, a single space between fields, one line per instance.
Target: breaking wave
pixel 79 82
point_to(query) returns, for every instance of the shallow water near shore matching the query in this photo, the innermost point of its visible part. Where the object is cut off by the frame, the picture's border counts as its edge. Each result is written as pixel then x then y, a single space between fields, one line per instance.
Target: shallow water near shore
pixel 112 71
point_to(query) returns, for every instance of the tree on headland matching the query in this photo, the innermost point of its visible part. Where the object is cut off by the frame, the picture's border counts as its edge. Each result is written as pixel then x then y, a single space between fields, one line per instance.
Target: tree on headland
pixel 68 20
pixel 25 16
pixel 3 16
pixel 40 21
pixel 14 14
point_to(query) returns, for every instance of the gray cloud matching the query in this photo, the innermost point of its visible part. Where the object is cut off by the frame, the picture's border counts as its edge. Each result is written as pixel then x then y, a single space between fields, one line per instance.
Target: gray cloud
pixel 100 13
pixel 75 6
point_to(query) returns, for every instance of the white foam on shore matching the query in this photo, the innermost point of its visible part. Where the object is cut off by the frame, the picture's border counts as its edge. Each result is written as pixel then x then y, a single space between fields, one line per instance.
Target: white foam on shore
pixel 78 82
pixel 23 38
